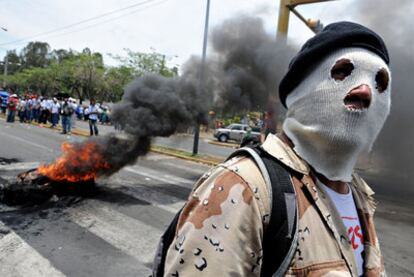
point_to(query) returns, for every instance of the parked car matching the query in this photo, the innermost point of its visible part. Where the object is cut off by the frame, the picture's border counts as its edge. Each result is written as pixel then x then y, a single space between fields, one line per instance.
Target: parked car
pixel 235 132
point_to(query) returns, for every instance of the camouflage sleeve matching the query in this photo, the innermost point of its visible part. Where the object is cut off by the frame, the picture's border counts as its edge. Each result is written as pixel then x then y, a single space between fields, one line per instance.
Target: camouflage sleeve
pixel 219 232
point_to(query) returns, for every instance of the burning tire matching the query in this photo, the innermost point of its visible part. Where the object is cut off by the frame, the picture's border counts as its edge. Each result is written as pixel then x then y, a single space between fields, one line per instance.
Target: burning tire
pixel 31 188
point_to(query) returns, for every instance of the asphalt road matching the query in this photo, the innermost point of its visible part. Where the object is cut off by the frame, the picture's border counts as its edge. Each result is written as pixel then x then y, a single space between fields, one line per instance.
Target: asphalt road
pixel 115 232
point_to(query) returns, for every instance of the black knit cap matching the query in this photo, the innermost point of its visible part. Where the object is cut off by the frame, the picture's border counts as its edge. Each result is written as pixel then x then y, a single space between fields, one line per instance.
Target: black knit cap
pixel 334 36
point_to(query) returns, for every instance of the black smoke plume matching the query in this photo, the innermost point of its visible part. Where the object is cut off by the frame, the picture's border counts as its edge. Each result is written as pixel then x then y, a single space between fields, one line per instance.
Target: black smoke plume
pixel 248 63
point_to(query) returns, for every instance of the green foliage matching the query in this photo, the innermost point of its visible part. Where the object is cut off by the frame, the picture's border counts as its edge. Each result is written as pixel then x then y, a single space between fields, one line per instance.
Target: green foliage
pixel 83 75
pixel 234 119
pixel 61 55
pixel 116 79
pixel 13 62
pixel 141 63
pixel 35 54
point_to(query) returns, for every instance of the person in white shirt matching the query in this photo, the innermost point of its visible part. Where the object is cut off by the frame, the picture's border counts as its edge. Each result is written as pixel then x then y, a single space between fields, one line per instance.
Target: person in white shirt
pixel 54 110
pixel 74 106
pixel 92 111
pixel 22 110
pixel 66 112
pixel 35 108
pixel 49 103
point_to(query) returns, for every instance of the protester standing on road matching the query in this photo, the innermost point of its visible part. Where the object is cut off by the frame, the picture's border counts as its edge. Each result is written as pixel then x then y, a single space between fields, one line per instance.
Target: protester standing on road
pixel 92 112
pixel 66 111
pixel 44 110
pixel 21 108
pixel 36 108
pixel 12 107
pixel 29 109
pixel 79 112
pixel 54 111
pixel 73 117
pixel 337 93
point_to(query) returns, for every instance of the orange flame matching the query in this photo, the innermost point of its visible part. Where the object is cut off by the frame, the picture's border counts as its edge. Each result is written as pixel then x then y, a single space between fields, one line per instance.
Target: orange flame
pixel 78 163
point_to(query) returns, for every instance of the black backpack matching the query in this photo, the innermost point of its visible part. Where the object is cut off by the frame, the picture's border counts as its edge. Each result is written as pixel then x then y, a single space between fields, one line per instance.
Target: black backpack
pixel 280 237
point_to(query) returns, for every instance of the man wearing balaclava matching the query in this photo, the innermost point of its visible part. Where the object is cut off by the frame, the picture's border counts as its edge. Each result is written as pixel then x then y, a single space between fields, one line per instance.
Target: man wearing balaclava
pixel 337 93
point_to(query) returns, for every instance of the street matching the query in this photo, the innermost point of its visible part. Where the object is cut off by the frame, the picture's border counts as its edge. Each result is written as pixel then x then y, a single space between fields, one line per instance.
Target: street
pixel 115 232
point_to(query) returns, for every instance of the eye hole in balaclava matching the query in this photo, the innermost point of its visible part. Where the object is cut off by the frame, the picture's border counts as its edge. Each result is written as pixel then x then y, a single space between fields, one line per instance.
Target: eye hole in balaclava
pixel 382 80
pixel 342 69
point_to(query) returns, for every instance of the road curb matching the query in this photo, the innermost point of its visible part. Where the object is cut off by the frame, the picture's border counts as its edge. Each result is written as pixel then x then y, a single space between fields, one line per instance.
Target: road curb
pixel 202 135
pixel 211 161
pixel 229 145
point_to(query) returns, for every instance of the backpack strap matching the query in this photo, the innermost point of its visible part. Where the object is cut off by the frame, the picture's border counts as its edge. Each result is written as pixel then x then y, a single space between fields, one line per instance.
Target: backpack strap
pixel 254 154
pixel 165 241
pixel 280 237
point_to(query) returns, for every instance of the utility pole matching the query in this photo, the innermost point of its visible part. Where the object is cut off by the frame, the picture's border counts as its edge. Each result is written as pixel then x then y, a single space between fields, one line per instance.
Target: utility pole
pixel 201 85
pixel 6 62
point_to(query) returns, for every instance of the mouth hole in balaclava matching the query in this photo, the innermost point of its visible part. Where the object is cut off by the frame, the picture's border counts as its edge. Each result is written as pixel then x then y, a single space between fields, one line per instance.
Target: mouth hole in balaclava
pixel 382 79
pixel 342 69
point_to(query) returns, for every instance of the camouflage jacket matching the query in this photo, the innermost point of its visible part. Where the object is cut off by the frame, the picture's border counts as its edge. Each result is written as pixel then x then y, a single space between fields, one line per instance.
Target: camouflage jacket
pixel 220 230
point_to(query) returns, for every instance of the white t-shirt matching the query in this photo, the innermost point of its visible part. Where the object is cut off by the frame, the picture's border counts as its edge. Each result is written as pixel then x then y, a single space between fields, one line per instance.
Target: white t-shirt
pixel 91 111
pixel 55 107
pixel 346 208
pixel 22 105
pixel 49 104
pixel 43 104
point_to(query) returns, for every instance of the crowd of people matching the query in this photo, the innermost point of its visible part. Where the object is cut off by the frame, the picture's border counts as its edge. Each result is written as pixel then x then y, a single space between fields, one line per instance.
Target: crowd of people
pixel 64 110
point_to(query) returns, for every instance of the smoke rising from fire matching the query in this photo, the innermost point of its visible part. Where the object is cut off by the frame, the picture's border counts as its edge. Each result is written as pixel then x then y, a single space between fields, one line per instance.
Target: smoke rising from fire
pixel 242 71
pixel 250 64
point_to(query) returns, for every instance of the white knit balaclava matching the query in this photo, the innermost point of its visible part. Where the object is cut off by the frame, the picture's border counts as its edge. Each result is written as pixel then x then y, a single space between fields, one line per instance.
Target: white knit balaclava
pixel 328 127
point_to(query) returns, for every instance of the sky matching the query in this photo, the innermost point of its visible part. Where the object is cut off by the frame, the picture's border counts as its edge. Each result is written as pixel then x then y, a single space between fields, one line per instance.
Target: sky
pixel 171 27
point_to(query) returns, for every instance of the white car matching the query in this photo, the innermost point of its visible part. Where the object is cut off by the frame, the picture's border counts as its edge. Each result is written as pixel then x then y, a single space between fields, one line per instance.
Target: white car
pixel 235 132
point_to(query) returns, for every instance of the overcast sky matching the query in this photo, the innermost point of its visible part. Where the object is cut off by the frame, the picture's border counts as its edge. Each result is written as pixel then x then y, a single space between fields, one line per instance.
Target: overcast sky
pixel 172 27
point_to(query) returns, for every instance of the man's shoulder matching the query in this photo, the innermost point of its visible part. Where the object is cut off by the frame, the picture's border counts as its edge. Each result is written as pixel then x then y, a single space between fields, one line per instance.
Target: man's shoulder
pixel 238 173
pixel 246 169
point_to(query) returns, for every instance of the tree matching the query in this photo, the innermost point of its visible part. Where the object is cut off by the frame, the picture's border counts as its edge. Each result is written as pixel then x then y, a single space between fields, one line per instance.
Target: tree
pixel 81 74
pixel 88 72
pixel 61 55
pixel 35 54
pixel 142 63
pixel 115 80
pixel 14 63
pixel 35 79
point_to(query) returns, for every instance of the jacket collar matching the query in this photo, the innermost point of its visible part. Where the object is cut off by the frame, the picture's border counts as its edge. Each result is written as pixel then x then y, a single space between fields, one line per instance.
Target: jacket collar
pixel 275 147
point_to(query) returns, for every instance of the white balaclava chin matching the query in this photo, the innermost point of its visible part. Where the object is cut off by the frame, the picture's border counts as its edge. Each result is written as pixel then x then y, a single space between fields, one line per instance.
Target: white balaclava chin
pixel 337 111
